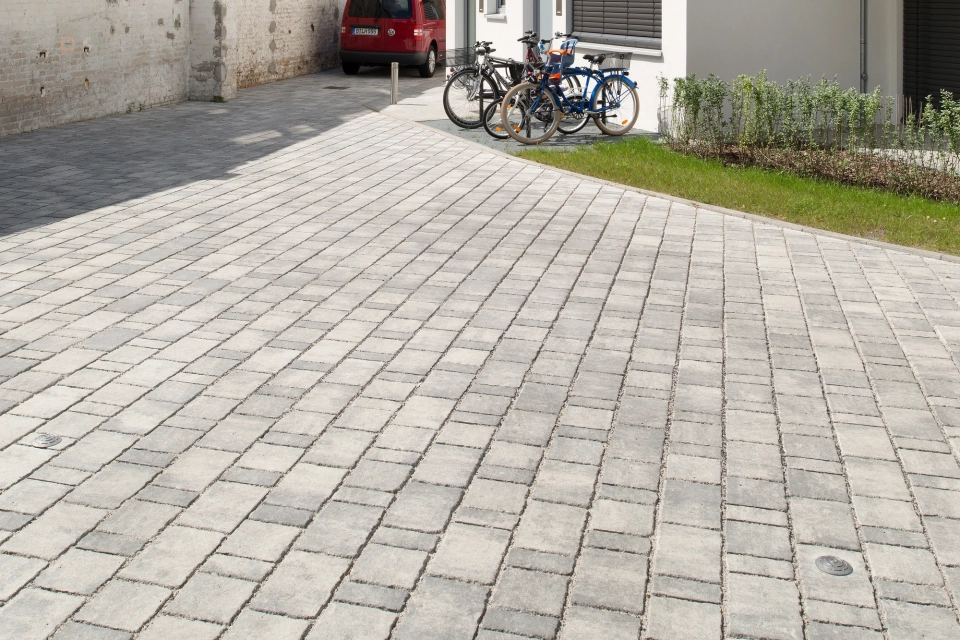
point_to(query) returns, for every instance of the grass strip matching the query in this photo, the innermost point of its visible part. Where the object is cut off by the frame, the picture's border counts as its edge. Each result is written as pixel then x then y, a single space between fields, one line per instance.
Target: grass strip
pixel 856 211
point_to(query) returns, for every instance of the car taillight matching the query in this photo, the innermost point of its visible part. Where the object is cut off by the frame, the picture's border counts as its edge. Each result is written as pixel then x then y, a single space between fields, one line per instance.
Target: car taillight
pixel 343 29
pixel 417 33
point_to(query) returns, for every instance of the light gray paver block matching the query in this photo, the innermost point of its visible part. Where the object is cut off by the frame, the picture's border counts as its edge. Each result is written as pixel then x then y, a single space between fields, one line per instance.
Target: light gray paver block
pixel 79 571
pixel 16 571
pixel 300 585
pixel 341 621
pixel 123 605
pixel 259 540
pixel 673 619
pixel 222 507
pixel 166 627
pixel 610 580
pixel 33 614
pixel 340 529
pixel 550 527
pixel 109 487
pixel 766 607
pixel 532 591
pixel 824 523
pixel 586 623
pixel 469 553
pixel 687 552
pixel 196 469
pixel 31 496
pixel 389 566
pixel 81 631
pixel 139 519
pixel 423 507
pixel 904 619
pixel 211 598
pixel 172 556
pixel 253 625
pixel 50 534
pixel 441 609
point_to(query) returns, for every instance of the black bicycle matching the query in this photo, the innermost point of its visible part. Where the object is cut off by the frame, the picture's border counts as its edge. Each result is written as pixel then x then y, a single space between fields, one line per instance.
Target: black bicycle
pixel 478 80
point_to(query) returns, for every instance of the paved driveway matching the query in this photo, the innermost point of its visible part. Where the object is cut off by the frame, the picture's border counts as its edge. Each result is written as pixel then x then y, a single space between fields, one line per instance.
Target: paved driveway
pixel 318 372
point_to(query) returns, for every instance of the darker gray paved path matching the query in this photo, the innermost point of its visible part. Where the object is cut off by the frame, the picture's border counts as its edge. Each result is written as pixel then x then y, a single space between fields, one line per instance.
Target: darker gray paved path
pixel 322 373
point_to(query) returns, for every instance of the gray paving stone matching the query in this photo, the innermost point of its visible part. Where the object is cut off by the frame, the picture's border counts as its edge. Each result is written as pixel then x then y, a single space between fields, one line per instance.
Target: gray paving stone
pixel 442 609
pixel 211 598
pixel 301 584
pixel 464 373
pixel 36 613
pixel 342 621
pixel 123 605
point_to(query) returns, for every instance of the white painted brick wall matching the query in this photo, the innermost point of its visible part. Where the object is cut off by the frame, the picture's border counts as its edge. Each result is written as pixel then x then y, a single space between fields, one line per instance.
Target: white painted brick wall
pixel 68 60
pixel 286 38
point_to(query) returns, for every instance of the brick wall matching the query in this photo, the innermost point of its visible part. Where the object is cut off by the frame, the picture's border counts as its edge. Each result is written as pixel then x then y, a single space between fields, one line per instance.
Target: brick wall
pixel 286 38
pixel 68 60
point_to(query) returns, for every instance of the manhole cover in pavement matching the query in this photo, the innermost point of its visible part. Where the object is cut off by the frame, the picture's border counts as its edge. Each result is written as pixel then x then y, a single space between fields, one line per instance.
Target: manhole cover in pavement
pixel 45 440
pixel 834 566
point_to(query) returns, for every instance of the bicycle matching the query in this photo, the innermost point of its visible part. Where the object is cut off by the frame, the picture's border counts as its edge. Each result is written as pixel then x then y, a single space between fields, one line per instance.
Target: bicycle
pixel 571 85
pixel 479 83
pixel 531 112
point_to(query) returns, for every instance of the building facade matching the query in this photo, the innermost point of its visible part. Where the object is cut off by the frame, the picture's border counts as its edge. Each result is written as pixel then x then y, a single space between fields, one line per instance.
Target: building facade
pixel 847 39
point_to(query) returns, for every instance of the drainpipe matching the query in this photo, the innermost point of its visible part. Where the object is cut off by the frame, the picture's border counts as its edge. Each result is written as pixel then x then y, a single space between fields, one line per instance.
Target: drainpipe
pixel 863 46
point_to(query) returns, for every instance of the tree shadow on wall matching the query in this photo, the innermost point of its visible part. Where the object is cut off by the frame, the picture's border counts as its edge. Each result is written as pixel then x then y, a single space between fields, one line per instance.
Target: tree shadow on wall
pixel 60 172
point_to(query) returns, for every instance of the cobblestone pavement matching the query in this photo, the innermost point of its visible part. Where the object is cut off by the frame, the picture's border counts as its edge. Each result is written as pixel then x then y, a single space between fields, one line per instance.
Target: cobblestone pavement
pixel 322 373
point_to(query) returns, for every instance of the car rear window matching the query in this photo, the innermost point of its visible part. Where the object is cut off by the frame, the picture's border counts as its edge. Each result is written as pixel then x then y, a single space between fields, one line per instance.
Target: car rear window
pixel 380 9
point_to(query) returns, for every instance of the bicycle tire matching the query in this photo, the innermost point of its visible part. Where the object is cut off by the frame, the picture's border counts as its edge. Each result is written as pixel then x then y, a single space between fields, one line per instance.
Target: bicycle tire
pixel 572 122
pixel 513 107
pixel 492 123
pixel 460 109
pixel 618 124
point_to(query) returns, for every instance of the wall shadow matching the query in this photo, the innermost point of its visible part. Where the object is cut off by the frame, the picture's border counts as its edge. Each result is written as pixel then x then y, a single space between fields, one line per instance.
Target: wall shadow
pixel 60 172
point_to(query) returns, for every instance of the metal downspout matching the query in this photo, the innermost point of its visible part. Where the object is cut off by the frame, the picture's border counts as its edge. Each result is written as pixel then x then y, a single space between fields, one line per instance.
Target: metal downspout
pixel 863 46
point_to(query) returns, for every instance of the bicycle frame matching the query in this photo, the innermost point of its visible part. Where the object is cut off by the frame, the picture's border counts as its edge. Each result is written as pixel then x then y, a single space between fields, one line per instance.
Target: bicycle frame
pixel 592 76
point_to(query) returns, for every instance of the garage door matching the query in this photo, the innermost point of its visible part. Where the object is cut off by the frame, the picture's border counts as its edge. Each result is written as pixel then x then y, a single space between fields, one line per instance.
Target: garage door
pixel 931 48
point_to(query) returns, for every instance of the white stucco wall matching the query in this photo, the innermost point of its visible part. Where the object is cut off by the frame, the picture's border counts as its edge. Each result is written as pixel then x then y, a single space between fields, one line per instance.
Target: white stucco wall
pixel 792 39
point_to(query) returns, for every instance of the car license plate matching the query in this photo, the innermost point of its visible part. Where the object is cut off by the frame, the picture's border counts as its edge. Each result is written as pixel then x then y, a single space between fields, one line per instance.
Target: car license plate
pixel 365 31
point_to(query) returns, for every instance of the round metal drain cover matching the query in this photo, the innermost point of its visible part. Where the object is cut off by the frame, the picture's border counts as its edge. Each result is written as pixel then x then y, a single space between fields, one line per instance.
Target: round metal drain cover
pixel 834 566
pixel 47 440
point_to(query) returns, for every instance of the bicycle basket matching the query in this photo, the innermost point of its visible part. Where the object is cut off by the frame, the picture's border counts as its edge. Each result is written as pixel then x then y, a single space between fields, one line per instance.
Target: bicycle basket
pixel 616 60
pixel 458 57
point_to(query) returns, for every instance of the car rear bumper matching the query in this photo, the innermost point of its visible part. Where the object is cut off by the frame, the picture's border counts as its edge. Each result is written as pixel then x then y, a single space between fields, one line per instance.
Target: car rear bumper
pixel 383 57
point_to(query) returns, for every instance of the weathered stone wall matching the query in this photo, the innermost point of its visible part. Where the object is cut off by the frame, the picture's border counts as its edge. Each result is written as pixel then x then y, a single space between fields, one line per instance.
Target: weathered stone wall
pixel 286 38
pixel 67 60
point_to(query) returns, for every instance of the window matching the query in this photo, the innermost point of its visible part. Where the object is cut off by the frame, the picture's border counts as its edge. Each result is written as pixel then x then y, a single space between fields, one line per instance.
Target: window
pixel 433 10
pixel 631 23
pixel 377 9
pixel 494 7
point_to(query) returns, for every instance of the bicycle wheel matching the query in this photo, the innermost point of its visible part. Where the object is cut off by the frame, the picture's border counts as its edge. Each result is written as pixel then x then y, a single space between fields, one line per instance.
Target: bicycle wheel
pixel 465 96
pixel 529 113
pixel 618 104
pixel 492 123
pixel 572 122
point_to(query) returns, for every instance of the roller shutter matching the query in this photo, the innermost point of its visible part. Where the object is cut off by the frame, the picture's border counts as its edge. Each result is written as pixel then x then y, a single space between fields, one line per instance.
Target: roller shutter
pixel 931 48
pixel 634 23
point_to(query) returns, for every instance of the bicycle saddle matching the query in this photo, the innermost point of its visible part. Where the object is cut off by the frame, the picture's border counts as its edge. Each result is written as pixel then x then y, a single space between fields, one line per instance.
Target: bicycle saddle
pixel 597 57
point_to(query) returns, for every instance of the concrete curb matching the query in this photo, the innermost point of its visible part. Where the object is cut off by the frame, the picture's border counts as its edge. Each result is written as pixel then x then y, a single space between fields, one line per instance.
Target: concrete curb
pixel 923 253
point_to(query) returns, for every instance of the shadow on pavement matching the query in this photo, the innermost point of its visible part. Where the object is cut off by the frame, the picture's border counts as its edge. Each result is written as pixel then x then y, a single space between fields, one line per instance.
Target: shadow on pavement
pixel 68 170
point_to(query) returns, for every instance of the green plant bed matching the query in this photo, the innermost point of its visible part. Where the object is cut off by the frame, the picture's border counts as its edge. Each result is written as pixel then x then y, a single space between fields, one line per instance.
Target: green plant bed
pixel 858 211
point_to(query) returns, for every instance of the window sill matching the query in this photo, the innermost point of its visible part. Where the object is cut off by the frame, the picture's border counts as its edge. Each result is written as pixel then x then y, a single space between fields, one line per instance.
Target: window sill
pixel 496 17
pixel 637 51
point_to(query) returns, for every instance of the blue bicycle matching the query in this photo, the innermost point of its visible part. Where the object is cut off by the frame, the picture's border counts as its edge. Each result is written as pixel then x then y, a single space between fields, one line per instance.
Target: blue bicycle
pixel 531 112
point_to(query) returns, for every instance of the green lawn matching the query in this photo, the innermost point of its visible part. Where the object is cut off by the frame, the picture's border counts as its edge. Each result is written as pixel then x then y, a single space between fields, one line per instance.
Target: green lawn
pixel 868 213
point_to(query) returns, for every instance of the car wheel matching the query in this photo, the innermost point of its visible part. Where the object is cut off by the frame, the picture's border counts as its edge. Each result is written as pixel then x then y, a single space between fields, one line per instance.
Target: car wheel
pixel 351 68
pixel 428 68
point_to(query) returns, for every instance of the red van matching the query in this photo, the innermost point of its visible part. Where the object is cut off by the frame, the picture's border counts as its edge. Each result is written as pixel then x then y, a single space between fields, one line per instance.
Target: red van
pixel 378 32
